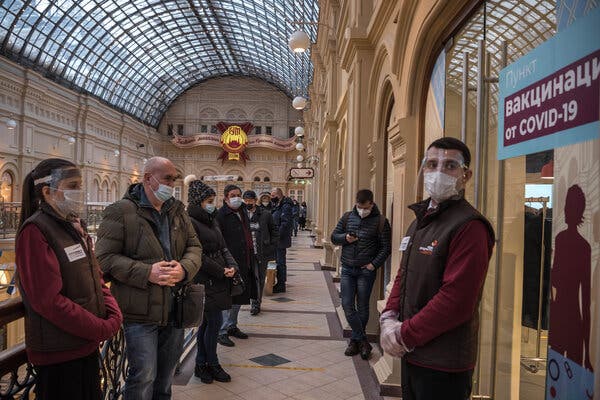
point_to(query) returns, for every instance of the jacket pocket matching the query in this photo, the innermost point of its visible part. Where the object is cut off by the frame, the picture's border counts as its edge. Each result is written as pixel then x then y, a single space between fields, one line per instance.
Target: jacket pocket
pixel 137 301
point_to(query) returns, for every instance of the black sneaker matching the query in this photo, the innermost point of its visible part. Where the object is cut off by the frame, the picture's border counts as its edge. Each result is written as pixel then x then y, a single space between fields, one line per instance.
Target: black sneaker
pixel 255 310
pixel 203 372
pixel 219 374
pixel 365 349
pixel 279 288
pixel 352 349
pixel 225 341
pixel 235 332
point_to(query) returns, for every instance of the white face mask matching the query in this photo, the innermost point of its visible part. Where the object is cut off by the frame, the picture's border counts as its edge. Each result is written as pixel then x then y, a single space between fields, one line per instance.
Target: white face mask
pixel 440 186
pixel 210 208
pixel 72 205
pixel 235 202
pixel 363 212
pixel 266 203
pixel 164 192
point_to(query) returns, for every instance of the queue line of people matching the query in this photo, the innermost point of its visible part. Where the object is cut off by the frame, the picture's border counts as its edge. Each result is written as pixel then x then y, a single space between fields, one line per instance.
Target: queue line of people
pixel 149 245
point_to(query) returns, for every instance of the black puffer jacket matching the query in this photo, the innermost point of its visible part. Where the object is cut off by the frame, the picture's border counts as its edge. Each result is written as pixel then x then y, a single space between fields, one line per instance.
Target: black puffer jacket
pixel 215 258
pixel 282 215
pixel 371 247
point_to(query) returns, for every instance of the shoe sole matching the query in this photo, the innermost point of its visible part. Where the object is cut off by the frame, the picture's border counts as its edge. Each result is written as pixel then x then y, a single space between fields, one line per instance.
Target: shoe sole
pixel 227 344
pixel 222 380
pixel 207 381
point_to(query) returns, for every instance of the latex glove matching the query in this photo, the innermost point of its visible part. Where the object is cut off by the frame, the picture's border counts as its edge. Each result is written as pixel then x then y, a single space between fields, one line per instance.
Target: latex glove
pixel 387 338
pixel 389 314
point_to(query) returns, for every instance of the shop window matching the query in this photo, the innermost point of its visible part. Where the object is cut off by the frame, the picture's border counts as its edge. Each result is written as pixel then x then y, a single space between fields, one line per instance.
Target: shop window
pixel 177 192
pixel 180 129
pixel 203 128
pixel 258 130
pixel 170 129
pixel 6 187
pixel 213 129
pixel 269 130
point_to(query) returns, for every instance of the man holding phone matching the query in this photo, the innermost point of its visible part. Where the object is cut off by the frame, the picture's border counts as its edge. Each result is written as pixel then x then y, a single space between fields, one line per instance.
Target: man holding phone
pixel 365 236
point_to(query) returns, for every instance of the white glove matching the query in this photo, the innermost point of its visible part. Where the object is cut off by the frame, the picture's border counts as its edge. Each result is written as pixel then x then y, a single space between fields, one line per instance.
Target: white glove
pixel 387 339
pixel 389 326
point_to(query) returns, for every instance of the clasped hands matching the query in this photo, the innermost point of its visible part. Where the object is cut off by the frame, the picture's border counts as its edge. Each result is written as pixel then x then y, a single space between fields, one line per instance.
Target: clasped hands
pixel 390 331
pixel 166 273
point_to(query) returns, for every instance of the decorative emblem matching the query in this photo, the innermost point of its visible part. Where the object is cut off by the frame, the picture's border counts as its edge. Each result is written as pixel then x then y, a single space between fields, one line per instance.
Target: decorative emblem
pixel 234 141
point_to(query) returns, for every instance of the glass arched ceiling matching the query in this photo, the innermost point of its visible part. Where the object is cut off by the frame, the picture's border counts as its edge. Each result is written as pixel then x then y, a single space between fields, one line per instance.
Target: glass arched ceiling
pixel 139 56
pixel 523 24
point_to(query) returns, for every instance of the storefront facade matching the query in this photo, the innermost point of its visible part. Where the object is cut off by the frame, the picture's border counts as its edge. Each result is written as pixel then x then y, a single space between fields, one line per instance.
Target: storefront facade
pixel 390 81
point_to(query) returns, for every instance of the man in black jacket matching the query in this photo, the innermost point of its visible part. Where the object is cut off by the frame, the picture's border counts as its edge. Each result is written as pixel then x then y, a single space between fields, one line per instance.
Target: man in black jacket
pixel 365 236
pixel 265 238
pixel 282 215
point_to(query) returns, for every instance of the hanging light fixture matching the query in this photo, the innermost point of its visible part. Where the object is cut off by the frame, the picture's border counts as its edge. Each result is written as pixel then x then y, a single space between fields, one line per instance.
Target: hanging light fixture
pixel 299 42
pixel 299 146
pixel 11 124
pixel 299 131
pixel 299 165
pixel 299 103
pixel 116 153
pixel 299 158
pixel 70 140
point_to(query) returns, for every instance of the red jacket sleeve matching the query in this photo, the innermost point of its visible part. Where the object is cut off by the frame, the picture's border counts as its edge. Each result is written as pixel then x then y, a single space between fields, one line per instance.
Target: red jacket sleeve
pixel 40 279
pixel 455 302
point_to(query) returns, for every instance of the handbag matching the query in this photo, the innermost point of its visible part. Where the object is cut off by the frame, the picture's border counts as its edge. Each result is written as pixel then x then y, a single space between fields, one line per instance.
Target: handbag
pixel 189 305
pixel 237 285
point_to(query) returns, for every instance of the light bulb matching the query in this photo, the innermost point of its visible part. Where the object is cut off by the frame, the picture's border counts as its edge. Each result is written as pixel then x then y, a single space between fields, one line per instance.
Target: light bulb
pixel 299 146
pixel 299 158
pixel 299 42
pixel 299 131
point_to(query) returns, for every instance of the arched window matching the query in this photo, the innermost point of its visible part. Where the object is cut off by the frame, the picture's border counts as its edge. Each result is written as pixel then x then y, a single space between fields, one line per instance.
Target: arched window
pixel 240 178
pixel 267 179
pixel 7 187
pixel 257 179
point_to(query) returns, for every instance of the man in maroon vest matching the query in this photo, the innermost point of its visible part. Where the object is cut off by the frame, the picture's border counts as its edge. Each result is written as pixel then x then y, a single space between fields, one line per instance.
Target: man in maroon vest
pixel 431 319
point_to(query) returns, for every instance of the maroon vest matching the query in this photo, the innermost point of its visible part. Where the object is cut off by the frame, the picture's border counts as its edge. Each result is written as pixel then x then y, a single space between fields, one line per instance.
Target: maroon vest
pixel 422 270
pixel 80 282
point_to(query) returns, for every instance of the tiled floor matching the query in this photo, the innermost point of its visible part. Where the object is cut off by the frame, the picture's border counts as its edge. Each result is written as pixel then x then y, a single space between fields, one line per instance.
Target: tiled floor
pixel 295 349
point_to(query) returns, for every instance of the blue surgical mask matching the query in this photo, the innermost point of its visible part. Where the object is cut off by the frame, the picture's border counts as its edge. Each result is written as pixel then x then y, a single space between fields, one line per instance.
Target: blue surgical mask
pixel 164 192
pixel 235 202
pixel 210 208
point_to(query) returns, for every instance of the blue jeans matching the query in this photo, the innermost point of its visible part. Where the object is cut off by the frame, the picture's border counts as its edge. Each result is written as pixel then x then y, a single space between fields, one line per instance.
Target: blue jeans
pixel 281 265
pixel 152 353
pixel 230 319
pixel 206 338
pixel 356 284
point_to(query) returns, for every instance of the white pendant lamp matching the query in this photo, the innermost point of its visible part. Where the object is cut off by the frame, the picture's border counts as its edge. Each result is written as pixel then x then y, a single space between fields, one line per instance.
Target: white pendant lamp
pixel 299 42
pixel 299 103
pixel 299 158
pixel 299 131
pixel 299 146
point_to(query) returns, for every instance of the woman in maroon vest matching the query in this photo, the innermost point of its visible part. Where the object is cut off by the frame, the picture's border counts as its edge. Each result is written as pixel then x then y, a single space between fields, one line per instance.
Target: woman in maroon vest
pixel 68 308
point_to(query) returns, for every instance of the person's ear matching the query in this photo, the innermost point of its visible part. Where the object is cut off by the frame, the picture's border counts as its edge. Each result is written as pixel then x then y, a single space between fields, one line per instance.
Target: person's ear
pixel 467 175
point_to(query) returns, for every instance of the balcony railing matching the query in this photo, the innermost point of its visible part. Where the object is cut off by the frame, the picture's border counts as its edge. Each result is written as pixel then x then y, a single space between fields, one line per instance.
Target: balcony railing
pixel 11 212
pixel 17 376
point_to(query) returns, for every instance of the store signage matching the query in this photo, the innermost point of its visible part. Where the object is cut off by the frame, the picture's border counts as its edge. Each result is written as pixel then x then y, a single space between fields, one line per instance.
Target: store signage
pixel 302 173
pixel 551 96
pixel 213 178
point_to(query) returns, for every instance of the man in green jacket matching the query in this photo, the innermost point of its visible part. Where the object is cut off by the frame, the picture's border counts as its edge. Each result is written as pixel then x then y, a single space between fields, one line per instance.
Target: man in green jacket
pixel 147 248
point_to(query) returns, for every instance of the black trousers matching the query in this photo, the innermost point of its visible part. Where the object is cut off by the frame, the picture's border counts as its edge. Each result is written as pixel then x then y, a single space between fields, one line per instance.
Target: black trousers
pixel 419 383
pixel 76 379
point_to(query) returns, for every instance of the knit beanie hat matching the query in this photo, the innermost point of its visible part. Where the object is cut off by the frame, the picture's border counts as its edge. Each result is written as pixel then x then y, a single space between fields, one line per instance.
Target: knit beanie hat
pixel 198 192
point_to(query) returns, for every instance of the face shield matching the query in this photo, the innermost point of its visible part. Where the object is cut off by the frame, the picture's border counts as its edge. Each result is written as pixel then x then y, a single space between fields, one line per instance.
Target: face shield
pixel 440 172
pixel 66 191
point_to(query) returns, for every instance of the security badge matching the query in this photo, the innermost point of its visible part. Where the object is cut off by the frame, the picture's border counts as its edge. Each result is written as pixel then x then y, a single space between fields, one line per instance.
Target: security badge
pixel 74 252
pixel 404 243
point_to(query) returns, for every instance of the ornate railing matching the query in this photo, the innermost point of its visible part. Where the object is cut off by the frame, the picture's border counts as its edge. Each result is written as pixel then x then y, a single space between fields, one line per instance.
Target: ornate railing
pixel 17 376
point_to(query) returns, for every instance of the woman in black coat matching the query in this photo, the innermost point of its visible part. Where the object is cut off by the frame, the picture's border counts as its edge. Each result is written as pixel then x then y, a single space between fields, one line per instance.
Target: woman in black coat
pixel 218 266
pixel 235 225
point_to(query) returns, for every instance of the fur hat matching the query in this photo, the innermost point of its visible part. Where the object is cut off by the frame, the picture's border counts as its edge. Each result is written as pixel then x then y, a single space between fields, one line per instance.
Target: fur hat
pixel 198 192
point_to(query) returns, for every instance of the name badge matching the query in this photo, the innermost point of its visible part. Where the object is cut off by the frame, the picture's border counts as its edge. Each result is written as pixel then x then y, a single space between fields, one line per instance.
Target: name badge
pixel 404 243
pixel 74 252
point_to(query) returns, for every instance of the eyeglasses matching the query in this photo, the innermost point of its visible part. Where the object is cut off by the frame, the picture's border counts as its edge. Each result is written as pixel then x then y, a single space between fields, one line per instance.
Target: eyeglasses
pixel 446 165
